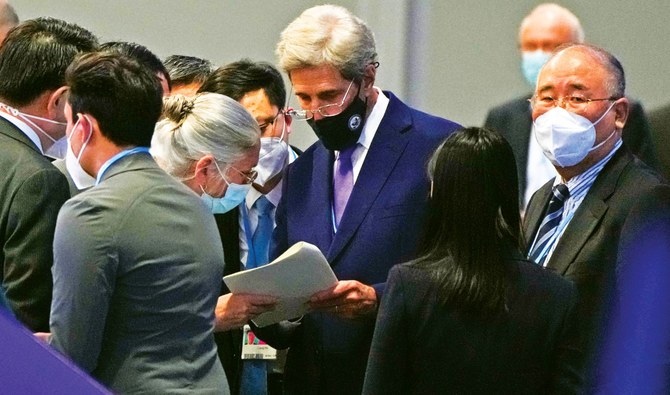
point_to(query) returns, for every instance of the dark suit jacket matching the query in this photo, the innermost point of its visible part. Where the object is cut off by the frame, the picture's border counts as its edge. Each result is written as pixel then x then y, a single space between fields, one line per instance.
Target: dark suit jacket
pixel 379 228
pixel 660 132
pixel 587 251
pixel 421 346
pixel 32 191
pixel 513 120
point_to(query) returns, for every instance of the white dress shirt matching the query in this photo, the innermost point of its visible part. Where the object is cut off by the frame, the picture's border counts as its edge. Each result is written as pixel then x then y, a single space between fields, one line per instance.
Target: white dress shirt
pixel 27 130
pixel 273 196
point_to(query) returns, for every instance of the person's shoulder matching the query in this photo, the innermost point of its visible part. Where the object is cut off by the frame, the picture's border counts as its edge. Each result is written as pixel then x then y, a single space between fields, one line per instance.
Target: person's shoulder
pixel 423 122
pixel 540 279
pixel 410 275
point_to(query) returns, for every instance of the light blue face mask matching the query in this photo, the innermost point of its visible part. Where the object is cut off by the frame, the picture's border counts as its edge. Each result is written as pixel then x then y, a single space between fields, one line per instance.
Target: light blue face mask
pixel 235 194
pixel 531 63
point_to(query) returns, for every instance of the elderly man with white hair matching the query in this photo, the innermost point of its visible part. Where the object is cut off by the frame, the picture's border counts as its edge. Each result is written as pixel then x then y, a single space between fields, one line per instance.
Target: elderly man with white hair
pixel 358 193
pixel 547 27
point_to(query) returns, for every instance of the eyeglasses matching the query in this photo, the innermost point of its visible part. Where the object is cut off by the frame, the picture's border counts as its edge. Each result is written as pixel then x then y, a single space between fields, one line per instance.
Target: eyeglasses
pixel 277 123
pixel 328 110
pixel 249 176
pixel 574 102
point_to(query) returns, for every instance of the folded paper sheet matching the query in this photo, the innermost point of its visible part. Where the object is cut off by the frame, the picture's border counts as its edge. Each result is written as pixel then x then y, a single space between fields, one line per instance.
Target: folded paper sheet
pixel 294 277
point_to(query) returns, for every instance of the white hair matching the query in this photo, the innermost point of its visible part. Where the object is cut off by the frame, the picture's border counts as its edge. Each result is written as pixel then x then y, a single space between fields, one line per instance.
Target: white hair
pixel 553 12
pixel 208 123
pixel 327 35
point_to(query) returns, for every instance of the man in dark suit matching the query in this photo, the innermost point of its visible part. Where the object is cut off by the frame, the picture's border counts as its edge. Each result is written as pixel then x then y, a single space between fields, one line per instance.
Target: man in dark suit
pixel 547 27
pixel 33 60
pixel 573 223
pixel 660 131
pixel 358 194
pixel 259 87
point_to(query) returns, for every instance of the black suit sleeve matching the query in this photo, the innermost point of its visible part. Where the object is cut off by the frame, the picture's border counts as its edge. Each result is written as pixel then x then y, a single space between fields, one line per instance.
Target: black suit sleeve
pixel 567 374
pixel 387 363
pixel 28 248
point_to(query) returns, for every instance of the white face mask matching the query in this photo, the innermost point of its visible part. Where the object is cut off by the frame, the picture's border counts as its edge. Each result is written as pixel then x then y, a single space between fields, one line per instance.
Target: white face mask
pixel 566 138
pixel 57 149
pixel 272 157
pixel 80 177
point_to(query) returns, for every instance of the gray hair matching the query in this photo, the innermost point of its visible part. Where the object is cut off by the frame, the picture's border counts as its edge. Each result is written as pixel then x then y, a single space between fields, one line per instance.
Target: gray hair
pixel 550 12
pixel 616 83
pixel 208 123
pixel 327 35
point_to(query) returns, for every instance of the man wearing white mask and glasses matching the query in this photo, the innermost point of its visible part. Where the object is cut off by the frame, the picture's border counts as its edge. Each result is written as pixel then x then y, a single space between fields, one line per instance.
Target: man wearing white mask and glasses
pixel 33 59
pixel 573 223
pixel 245 232
pixel 544 29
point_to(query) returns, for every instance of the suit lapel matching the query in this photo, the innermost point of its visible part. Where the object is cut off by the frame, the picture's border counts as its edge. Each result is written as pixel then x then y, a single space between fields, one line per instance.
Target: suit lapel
pixel 385 150
pixel 535 213
pixel 589 214
pixel 318 206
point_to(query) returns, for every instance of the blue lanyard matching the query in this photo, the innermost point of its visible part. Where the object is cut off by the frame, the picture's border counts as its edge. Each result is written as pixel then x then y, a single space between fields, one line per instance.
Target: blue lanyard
pixel 116 157
pixel 247 233
pixel 551 242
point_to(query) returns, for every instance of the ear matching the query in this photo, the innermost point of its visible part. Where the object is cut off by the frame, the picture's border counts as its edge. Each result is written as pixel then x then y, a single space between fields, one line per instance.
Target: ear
pixel 369 74
pixel 288 120
pixel 56 104
pixel 621 110
pixel 202 168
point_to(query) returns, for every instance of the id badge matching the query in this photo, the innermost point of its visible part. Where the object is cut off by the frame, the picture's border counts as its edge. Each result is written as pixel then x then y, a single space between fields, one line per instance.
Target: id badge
pixel 255 348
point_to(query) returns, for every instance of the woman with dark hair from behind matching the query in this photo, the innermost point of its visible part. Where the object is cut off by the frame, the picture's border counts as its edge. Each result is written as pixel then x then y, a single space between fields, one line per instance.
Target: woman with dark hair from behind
pixel 470 315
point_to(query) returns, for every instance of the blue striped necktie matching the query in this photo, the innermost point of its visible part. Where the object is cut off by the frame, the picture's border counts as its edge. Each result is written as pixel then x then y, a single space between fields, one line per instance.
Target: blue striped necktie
pixel 549 224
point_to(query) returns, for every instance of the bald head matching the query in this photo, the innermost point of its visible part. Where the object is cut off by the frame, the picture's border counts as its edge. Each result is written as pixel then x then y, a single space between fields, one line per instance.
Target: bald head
pixel 549 26
pixel 8 19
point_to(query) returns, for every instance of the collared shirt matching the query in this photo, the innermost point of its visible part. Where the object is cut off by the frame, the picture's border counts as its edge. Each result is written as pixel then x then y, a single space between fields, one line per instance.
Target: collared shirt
pixel 27 130
pixel 538 169
pixel 578 186
pixel 369 130
pixel 273 196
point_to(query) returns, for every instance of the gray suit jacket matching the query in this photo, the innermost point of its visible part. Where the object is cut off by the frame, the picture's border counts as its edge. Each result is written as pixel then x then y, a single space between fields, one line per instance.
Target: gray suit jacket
pixel 137 272
pixel 31 193
pixel 587 250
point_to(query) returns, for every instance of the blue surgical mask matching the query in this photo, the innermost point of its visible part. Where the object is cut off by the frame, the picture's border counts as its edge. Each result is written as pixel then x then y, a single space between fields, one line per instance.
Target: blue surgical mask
pixel 235 194
pixel 531 63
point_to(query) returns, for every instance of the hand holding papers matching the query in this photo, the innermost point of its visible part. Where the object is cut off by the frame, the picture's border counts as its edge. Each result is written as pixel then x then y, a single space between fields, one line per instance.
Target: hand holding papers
pixel 294 277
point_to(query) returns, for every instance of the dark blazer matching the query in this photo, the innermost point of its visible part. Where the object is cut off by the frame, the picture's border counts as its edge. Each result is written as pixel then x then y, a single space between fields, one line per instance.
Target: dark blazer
pixel 423 347
pixel 660 132
pixel 587 251
pixel 379 228
pixel 32 191
pixel 513 120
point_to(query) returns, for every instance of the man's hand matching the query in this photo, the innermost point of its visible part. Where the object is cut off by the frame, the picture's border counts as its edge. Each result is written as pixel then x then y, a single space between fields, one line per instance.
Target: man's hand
pixel 234 310
pixel 348 299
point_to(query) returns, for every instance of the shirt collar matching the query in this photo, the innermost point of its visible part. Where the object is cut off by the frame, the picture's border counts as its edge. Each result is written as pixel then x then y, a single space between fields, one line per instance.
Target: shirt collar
pixel 589 174
pixel 27 130
pixel 374 119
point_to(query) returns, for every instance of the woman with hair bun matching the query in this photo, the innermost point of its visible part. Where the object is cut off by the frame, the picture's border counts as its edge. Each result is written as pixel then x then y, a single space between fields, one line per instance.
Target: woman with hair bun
pixel 211 143
pixel 470 314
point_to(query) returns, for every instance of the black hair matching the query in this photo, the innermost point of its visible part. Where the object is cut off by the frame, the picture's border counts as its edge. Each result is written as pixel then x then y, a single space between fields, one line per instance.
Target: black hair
pixel 124 96
pixel 140 53
pixel 34 56
pixel 185 70
pixel 473 222
pixel 239 78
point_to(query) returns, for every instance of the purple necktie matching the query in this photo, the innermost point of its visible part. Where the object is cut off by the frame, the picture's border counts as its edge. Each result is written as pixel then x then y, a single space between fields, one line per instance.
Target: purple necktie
pixel 343 182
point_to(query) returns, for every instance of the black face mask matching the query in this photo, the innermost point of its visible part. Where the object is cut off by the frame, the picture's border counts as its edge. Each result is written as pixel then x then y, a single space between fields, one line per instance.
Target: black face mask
pixel 342 130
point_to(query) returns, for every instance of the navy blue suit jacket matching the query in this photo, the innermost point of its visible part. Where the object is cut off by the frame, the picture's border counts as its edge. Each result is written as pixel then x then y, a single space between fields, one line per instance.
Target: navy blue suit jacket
pixel 379 229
